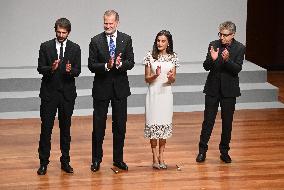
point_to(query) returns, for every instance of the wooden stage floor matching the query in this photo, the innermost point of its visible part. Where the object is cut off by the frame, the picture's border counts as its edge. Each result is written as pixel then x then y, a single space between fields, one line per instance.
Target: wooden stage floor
pixel 257 151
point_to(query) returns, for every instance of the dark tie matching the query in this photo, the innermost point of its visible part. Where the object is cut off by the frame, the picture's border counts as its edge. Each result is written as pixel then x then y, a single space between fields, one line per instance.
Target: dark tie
pixel 61 52
pixel 111 47
pixel 58 76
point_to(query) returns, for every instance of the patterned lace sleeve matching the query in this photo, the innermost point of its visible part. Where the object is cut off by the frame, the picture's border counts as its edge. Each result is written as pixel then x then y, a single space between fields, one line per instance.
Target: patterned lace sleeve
pixel 175 60
pixel 147 59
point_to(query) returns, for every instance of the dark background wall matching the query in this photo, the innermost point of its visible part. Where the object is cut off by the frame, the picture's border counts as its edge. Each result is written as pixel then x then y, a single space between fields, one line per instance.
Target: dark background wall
pixel 265 33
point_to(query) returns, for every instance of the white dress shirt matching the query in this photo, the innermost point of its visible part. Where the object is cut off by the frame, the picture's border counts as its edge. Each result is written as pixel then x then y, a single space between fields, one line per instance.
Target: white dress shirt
pixel 58 45
pixel 114 36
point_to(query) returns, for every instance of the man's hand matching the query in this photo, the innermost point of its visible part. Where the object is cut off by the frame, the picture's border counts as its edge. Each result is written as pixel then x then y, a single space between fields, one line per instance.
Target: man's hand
pixel 214 54
pixel 118 60
pixel 225 54
pixel 68 67
pixel 110 63
pixel 55 64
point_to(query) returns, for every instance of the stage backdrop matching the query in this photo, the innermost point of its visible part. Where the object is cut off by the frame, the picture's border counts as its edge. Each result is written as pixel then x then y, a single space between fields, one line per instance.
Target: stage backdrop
pixel 25 24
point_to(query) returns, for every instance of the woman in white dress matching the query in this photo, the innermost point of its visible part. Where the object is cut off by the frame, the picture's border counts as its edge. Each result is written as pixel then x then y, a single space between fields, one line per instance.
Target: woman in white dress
pixel 160 73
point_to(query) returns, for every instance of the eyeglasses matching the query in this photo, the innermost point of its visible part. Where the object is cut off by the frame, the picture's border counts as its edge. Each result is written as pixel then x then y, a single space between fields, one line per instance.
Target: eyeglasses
pixel 225 35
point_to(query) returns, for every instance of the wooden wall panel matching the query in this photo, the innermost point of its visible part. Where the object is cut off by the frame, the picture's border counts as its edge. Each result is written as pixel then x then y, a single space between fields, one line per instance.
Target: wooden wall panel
pixel 265 33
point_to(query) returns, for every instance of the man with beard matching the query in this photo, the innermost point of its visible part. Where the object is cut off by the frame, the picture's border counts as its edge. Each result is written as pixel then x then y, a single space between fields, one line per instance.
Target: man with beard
pixel 59 62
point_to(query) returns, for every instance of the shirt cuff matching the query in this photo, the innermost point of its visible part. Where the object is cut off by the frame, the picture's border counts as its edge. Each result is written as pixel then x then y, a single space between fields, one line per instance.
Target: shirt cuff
pixel 107 69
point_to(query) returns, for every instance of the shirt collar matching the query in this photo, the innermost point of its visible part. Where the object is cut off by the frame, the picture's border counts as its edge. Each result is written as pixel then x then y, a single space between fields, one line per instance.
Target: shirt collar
pixel 58 43
pixel 113 35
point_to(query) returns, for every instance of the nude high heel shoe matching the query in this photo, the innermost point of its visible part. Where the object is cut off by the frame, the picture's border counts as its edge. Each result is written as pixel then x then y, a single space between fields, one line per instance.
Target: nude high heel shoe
pixel 163 165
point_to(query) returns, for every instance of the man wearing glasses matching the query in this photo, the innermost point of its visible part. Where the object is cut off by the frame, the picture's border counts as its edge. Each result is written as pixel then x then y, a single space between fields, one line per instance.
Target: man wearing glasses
pixel 223 61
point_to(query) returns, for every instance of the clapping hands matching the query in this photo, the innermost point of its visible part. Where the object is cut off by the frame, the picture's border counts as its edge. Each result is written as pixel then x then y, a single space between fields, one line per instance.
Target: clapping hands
pixel 56 63
pixel 112 61
pixel 214 54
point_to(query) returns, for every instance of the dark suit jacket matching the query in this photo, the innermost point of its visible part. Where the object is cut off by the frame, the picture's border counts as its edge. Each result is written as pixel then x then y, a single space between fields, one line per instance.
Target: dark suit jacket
pixel 47 55
pixel 105 82
pixel 223 76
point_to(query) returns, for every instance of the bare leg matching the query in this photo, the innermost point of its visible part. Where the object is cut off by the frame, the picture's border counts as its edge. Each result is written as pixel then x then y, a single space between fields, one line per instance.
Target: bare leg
pixel 153 143
pixel 162 145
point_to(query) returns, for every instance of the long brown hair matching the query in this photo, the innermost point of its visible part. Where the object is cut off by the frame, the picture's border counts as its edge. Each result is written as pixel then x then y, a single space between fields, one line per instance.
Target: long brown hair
pixel 169 50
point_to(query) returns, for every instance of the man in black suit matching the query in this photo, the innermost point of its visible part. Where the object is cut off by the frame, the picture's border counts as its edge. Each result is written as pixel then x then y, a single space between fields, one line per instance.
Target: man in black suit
pixel 224 61
pixel 110 56
pixel 59 62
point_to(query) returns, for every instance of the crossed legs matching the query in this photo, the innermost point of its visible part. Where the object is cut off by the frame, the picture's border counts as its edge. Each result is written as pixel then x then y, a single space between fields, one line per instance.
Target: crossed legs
pixel 158 156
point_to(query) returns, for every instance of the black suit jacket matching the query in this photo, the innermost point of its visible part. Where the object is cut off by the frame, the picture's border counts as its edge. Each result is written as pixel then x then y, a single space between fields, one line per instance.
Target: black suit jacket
pixel 47 56
pixel 223 76
pixel 105 82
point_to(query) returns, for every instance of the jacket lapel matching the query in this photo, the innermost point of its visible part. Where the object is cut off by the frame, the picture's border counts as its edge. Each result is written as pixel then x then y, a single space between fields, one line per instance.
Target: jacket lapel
pixel 233 47
pixel 118 44
pixel 67 51
pixel 104 45
pixel 53 50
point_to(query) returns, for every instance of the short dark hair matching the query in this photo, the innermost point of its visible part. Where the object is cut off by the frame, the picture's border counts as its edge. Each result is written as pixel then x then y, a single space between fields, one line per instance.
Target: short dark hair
pixel 169 50
pixel 63 23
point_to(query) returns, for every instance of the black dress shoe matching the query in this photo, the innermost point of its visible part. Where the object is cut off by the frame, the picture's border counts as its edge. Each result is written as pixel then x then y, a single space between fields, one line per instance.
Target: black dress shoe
pixel 95 166
pixel 226 158
pixel 120 165
pixel 42 170
pixel 201 157
pixel 67 168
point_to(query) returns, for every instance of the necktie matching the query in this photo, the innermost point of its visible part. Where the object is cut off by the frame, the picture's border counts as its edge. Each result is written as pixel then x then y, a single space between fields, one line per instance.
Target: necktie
pixel 111 47
pixel 58 76
pixel 61 56
pixel 61 52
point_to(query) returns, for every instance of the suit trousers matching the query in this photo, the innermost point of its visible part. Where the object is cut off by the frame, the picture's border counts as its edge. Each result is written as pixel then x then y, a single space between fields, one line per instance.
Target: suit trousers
pixel 227 111
pixel 48 111
pixel 119 118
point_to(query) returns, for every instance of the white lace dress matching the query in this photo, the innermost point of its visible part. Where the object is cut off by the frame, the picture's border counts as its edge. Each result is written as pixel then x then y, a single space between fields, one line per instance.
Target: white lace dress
pixel 159 98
